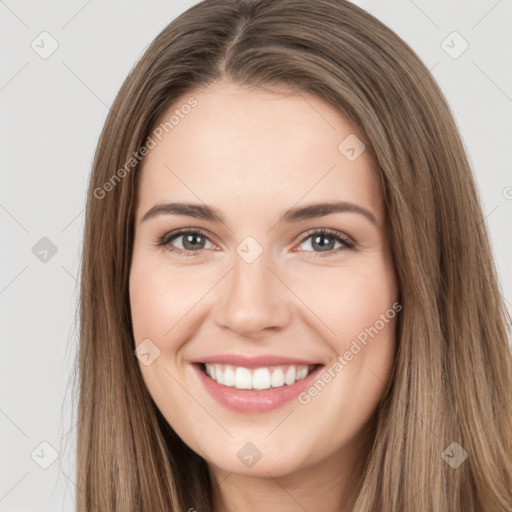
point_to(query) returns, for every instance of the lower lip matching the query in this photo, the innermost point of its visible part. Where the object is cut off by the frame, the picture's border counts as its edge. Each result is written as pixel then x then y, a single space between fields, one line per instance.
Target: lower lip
pixel 248 400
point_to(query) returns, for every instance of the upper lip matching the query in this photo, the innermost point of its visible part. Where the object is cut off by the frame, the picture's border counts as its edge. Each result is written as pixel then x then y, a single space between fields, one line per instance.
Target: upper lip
pixel 253 361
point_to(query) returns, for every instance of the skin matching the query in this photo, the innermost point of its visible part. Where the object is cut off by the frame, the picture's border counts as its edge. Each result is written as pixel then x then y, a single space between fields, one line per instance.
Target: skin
pixel 251 154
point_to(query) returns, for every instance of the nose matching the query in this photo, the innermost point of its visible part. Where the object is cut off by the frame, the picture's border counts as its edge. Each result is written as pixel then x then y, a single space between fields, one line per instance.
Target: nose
pixel 253 298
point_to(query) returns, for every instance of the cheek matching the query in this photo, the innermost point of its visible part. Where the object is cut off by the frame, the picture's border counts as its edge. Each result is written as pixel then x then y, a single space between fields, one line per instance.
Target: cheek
pixel 363 315
pixel 359 306
pixel 160 299
pixel 150 298
pixel 162 307
pixel 351 299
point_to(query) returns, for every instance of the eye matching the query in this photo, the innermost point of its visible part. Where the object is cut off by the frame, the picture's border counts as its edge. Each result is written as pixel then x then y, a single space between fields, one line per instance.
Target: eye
pixel 324 240
pixel 194 241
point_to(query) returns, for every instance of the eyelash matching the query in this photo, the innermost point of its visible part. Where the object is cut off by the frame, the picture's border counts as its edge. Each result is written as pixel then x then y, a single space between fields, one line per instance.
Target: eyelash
pixel 165 241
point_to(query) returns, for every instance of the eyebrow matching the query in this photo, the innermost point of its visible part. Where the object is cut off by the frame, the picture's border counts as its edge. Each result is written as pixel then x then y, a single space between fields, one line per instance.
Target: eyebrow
pixel 311 211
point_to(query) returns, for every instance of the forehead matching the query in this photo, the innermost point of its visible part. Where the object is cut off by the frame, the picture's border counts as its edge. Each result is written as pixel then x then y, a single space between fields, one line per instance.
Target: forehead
pixel 238 145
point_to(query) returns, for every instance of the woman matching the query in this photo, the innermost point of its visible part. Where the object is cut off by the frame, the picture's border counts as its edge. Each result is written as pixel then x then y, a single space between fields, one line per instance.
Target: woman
pixel 289 300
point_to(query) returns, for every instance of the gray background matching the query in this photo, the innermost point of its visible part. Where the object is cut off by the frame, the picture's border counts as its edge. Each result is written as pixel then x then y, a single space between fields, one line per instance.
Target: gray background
pixel 52 111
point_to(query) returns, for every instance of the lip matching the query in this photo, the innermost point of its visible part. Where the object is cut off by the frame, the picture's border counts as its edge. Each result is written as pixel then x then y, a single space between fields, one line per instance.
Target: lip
pixel 253 361
pixel 254 401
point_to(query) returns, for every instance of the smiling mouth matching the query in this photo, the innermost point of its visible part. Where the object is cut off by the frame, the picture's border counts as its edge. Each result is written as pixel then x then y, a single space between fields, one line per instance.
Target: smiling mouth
pixel 262 378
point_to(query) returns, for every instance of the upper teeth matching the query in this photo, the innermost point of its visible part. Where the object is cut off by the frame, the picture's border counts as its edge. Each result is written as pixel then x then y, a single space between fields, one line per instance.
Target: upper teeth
pixel 257 378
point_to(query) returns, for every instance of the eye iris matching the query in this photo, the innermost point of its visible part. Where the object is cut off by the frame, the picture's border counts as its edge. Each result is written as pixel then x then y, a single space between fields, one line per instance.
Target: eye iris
pixel 322 244
pixel 187 239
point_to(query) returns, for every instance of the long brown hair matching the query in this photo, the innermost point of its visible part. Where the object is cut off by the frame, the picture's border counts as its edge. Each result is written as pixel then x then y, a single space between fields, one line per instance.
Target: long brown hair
pixel 452 381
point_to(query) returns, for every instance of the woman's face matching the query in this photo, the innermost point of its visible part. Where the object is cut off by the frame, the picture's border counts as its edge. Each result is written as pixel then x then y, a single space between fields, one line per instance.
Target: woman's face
pixel 261 294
